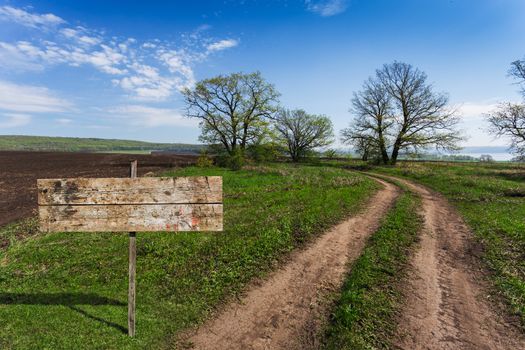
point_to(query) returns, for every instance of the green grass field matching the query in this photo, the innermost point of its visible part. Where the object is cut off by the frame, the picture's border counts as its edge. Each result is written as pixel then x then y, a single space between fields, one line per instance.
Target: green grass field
pixel 69 290
pixel 62 291
pixel 491 197
pixel 364 314
pixel 76 144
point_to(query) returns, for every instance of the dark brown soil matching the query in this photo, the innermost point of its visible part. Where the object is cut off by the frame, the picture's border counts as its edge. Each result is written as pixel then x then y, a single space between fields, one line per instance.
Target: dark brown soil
pixel 20 170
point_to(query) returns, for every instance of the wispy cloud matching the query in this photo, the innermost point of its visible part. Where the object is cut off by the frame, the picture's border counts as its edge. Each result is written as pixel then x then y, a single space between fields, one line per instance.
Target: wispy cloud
pixel 13 120
pixel 64 121
pixel 146 116
pixel 148 71
pixel 28 19
pixel 327 8
pixel 222 45
pixel 30 99
pixel 477 109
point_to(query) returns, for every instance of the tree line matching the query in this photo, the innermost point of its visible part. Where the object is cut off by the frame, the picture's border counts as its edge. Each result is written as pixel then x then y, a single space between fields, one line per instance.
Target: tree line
pixel 397 111
pixel 240 112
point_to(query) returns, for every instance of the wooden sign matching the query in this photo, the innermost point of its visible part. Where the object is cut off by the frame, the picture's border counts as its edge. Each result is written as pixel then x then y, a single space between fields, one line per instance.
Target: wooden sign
pixel 130 204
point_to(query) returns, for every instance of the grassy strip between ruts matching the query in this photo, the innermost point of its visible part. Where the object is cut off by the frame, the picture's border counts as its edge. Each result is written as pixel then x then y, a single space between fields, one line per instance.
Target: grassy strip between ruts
pixel 69 290
pixel 491 198
pixel 364 315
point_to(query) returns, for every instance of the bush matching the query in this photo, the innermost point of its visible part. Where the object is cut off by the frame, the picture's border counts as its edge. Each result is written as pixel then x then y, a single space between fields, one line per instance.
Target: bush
pixel 236 160
pixel 204 160
pixel 264 152
pixel 331 153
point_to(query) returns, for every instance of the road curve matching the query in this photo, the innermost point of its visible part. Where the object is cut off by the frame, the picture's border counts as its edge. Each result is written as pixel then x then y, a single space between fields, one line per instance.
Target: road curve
pixel 448 306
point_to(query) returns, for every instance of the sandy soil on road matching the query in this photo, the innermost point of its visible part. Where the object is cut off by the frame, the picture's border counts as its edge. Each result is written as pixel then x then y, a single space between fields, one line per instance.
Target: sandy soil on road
pixel 283 312
pixel 448 306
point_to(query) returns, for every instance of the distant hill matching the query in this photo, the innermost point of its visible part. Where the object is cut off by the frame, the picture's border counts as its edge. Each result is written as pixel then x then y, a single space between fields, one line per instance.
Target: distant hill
pixel 76 144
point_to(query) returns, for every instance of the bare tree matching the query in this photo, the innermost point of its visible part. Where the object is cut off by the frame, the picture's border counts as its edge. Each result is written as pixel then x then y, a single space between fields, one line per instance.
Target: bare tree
pixel 398 110
pixel 422 117
pixel 372 107
pixel 364 144
pixel 232 109
pixel 517 70
pixel 301 132
pixel 509 120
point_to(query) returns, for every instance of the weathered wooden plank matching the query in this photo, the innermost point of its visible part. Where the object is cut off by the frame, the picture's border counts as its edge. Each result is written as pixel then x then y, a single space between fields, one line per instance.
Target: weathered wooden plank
pixel 137 218
pixel 147 190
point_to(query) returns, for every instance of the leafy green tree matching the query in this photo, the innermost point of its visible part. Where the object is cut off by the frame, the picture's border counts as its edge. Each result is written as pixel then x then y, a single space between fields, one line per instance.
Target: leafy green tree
pixel 300 132
pixel 233 110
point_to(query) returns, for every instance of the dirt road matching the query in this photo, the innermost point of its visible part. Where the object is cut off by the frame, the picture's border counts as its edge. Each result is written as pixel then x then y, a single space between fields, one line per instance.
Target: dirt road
pixel 283 312
pixel 447 306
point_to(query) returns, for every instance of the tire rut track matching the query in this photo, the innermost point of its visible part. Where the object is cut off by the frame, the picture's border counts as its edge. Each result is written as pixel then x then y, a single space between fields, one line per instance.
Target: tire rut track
pixel 447 296
pixel 284 311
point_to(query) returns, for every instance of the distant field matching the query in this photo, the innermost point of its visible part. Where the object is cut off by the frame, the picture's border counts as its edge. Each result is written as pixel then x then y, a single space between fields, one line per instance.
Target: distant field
pixel 74 144
pixel 19 171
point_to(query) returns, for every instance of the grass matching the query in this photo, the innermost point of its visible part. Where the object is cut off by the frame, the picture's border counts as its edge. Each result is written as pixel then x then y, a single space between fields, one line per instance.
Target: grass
pixel 78 144
pixel 364 314
pixel 17 231
pixel 69 290
pixel 491 198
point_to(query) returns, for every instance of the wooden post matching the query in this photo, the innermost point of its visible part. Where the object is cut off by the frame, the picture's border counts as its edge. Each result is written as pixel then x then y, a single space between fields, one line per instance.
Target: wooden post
pixel 132 268
pixel 126 204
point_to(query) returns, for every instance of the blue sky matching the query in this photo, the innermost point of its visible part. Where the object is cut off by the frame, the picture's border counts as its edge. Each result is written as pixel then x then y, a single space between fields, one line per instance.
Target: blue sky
pixel 114 69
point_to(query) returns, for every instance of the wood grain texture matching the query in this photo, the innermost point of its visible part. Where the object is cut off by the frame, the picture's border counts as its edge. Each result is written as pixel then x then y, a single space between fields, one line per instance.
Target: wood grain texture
pixel 130 204
pixel 137 218
pixel 147 190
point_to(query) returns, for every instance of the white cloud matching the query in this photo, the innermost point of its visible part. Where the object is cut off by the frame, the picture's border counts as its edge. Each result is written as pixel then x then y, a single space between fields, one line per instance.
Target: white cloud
pixel 327 8
pixel 81 36
pixel 148 71
pixel 222 45
pixel 12 57
pixel 475 110
pixel 25 54
pixel 12 14
pixel 26 98
pixel 146 116
pixel 146 84
pixel 14 120
pixel 64 121
pixel 149 45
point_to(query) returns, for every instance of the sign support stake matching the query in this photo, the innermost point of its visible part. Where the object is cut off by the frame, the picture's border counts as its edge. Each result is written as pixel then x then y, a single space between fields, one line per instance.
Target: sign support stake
pixel 131 204
pixel 132 268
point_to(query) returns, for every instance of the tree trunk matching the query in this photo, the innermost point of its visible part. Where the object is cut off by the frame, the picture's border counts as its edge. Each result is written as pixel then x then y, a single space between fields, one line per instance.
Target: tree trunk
pixel 382 149
pixel 382 146
pixel 395 153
